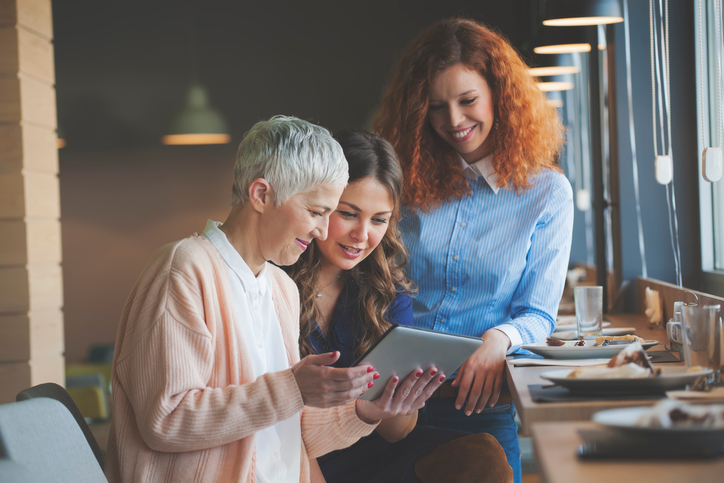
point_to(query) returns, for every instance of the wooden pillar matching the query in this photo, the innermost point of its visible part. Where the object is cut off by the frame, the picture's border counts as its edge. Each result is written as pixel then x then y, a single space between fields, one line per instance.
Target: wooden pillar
pixel 31 290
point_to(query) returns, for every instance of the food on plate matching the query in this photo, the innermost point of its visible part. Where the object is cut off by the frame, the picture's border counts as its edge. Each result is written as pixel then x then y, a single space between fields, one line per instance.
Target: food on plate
pixel 631 362
pixel 603 339
pixel 552 342
pixel 632 354
pixel 670 413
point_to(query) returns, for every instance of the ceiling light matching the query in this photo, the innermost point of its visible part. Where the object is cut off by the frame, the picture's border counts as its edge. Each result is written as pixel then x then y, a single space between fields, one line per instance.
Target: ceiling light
pixel 564 41
pixel 197 122
pixel 567 13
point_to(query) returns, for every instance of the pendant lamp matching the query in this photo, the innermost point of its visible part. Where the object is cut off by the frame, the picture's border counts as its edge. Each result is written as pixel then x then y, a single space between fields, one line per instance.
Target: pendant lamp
pixel 567 13
pixel 61 137
pixel 563 41
pixel 554 64
pixel 197 122
pixel 555 99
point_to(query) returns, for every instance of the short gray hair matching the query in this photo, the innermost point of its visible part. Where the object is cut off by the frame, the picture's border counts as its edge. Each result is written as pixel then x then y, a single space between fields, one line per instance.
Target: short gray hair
pixel 291 154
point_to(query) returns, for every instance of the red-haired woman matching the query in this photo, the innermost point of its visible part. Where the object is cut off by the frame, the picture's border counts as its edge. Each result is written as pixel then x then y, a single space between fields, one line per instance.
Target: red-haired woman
pixel 488 214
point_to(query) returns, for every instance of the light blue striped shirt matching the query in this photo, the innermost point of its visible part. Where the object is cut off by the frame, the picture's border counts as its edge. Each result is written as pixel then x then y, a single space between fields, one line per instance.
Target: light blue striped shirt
pixel 493 258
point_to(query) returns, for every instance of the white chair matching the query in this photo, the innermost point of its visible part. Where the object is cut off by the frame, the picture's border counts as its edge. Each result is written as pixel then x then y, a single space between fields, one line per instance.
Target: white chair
pixel 42 436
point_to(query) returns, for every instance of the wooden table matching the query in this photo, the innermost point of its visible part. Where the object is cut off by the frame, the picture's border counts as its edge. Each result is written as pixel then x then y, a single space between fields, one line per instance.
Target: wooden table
pixel 556 445
pixel 519 378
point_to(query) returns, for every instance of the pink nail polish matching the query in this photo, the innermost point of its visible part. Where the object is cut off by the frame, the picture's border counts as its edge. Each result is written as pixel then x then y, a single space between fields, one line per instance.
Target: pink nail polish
pixel 396 379
pixel 376 376
pixel 442 378
pixel 433 372
pixel 370 369
pixel 370 384
pixel 418 373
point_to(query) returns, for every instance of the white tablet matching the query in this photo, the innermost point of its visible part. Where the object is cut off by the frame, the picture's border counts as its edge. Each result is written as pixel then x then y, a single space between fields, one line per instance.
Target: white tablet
pixel 402 349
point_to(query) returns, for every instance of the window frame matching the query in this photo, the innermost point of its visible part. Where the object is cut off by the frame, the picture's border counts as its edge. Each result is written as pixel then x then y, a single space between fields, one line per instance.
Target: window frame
pixel 712 279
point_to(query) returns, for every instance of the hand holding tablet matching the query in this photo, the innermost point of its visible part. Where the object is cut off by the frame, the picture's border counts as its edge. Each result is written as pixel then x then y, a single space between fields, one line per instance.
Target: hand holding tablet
pixel 402 350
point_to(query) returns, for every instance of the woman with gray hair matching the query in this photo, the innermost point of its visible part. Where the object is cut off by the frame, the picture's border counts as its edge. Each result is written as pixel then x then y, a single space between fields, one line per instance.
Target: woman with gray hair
pixel 207 381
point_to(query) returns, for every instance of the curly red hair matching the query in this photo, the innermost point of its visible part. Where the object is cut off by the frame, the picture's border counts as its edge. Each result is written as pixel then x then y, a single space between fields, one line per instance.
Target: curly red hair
pixel 529 133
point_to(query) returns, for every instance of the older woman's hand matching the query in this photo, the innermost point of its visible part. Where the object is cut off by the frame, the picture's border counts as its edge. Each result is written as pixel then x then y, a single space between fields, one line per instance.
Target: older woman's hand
pixel 408 398
pixel 325 387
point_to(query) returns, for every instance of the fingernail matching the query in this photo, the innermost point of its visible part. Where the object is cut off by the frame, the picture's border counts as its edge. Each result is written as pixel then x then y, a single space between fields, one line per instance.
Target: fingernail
pixel 370 369
pixel 418 373
pixel 396 379
pixel 478 411
pixel 361 394
pixel 433 372
pixel 370 384
pixel 468 413
pixel 376 375
pixel 458 406
pixel 442 378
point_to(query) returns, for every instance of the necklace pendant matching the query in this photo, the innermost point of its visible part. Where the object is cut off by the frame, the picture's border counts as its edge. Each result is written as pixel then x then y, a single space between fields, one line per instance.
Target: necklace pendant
pixel 319 294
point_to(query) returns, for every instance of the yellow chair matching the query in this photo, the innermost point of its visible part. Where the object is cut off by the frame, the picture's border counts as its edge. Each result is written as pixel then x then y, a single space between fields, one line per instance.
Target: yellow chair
pixel 88 385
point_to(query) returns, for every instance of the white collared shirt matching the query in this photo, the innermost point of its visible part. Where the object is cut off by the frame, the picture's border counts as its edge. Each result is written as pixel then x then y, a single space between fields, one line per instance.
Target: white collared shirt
pixel 278 447
pixel 484 168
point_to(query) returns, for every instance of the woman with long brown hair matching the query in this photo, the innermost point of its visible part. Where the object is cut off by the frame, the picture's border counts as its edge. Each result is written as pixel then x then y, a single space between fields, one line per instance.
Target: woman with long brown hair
pixel 487 216
pixel 352 288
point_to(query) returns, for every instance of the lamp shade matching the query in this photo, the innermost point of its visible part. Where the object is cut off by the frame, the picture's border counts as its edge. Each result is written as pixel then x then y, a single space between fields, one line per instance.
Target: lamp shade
pixel 553 64
pixel 566 13
pixel 197 122
pixel 61 137
pixel 556 83
pixel 564 41
pixel 555 98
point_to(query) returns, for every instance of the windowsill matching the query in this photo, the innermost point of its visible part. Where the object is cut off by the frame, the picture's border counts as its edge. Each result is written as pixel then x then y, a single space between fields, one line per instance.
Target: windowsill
pixel 713 282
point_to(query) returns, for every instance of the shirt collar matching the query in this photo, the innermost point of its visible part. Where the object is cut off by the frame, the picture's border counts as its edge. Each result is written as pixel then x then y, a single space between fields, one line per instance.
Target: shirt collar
pixel 234 260
pixel 484 168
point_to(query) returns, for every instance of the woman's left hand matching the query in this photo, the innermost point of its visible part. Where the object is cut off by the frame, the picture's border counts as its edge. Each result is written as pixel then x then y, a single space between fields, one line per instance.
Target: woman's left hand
pixel 480 378
pixel 408 398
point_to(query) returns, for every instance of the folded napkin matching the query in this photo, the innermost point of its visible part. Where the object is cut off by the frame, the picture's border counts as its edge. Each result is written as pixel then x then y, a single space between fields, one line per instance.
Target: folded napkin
pixel 716 394
pixel 558 362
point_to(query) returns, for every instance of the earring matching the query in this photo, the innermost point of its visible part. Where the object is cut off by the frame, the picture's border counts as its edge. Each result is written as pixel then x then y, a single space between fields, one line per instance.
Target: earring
pixel 495 124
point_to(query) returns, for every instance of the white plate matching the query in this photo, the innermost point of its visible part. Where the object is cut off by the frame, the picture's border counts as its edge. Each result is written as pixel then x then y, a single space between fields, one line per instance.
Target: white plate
pixel 560 325
pixel 624 419
pixel 670 379
pixel 573 334
pixel 569 351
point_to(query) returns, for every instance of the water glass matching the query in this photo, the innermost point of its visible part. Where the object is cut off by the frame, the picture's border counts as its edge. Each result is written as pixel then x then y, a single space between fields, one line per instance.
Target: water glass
pixel 589 311
pixel 702 336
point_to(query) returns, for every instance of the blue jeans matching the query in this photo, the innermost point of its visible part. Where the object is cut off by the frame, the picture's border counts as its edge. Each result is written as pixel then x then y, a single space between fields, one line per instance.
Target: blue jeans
pixel 499 421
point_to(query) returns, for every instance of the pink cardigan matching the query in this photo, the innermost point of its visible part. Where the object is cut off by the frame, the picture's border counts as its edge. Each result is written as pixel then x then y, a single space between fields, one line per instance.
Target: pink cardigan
pixel 185 402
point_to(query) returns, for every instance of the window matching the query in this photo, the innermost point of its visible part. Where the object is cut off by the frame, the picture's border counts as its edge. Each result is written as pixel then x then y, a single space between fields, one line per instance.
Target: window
pixel 708 49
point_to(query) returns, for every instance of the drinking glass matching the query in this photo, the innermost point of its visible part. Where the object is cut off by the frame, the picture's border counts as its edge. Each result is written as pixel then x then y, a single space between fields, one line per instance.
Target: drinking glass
pixel 589 311
pixel 702 336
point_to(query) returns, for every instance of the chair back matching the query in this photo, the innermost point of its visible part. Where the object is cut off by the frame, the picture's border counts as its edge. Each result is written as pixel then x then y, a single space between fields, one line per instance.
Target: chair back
pixel 41 434
pixel 54 391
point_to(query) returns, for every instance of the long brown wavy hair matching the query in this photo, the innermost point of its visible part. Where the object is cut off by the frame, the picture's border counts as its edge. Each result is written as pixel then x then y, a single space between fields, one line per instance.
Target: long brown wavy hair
pixel 380 276
pixel 529 133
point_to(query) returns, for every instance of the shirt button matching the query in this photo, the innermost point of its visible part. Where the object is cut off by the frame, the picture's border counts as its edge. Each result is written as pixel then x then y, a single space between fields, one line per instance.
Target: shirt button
pixel 453 289
pixel 256 307
pixel 455 258
pixel 462 223
pixel 442 321
pixel 276 454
